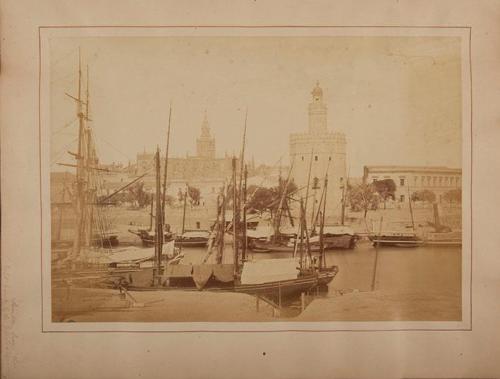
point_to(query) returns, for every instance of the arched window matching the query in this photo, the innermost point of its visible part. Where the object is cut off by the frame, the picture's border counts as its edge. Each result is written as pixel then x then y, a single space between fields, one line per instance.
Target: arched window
pixel 316 158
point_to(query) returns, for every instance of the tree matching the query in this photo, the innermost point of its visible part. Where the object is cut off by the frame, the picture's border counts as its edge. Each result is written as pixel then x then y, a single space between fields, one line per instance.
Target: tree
pixel 363 197
pixel 386 189
pixel 137 194
pixel 424 195
pixel 268 199
pixel 278 191
pixel 260 198
pixel 194 195
pixel 453 196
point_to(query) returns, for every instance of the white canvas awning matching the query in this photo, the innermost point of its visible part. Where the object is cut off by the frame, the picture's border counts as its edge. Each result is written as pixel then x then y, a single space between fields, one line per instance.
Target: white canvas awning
pixel 263 231
pixel 269 270
pixel 338 230
pixel 134 254
pixel 130 255
pixel 196 234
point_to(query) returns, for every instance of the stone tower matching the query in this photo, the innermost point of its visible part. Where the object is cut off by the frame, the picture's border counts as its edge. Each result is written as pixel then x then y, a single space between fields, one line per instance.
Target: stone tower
pixel 205 144
pixel 325 152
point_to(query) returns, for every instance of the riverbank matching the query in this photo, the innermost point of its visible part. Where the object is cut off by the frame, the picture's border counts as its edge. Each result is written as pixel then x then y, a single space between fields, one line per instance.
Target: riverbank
pixel 101 305
pixel 385 306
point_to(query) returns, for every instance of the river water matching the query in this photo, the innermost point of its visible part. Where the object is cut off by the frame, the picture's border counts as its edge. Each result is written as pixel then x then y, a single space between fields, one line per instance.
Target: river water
pixel 398 269
pixel 420 283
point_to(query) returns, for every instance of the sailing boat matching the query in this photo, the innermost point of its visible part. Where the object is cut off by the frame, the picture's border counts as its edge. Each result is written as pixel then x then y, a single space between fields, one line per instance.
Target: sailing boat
pixel 92 229
pixel 280 238
pixel 441 235
pixel 148 236
pixel 334 236
pixel 396 236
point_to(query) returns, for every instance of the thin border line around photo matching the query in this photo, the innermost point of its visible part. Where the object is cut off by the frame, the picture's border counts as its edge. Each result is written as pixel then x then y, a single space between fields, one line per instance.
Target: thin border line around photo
pixel 40 28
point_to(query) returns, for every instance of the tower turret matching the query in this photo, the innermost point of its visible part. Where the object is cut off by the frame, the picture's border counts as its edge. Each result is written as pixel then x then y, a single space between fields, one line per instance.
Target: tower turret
pixel 205 144
pixel 317 112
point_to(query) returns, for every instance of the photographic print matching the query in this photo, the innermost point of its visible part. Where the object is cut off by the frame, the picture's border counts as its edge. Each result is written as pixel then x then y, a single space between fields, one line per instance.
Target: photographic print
pixel 255 175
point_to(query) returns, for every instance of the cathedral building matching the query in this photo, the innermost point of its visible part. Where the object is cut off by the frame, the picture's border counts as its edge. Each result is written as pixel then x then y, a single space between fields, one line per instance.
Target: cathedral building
pixel 324 151
pixel 204 170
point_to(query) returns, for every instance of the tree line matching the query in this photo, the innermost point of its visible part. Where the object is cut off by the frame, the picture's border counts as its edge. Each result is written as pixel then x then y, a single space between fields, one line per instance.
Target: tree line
pixel 365 197
pixel 360 197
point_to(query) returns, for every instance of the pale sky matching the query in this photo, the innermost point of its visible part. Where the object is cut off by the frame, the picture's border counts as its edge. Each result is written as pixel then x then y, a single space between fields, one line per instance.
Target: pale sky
pixel 397 99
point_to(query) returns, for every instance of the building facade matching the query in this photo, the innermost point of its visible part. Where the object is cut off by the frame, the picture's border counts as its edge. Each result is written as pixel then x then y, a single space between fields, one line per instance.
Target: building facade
pixel 410 179
pixel 324 152
pixel 204 170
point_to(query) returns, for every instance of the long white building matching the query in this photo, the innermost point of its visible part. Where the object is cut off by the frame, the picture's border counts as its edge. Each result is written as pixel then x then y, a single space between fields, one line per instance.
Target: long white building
pixel 410 179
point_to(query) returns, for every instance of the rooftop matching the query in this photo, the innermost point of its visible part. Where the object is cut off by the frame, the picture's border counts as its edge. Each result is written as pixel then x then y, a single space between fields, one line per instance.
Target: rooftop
pixel 395 168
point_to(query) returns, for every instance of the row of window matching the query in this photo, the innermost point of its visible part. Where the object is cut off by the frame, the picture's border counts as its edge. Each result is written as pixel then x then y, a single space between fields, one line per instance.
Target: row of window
pixel 315 183
pixel 429 181
pixel 316 158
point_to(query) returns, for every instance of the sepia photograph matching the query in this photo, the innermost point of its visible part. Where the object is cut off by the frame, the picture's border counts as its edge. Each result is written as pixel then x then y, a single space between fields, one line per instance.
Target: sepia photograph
pixel 255 176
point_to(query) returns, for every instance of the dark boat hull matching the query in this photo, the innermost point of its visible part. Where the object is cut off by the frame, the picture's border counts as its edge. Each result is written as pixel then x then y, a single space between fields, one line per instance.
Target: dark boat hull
pixel 334 242
pixel 399 241
pixel 191 242
pixel 273 290
pixel 148 240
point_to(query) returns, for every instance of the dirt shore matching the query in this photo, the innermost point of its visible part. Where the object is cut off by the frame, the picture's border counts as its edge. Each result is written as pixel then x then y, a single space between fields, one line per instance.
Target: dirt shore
pixel 98 305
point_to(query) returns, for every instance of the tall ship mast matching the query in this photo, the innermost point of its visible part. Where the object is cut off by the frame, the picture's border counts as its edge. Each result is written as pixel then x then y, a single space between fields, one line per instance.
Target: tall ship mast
pixel 92 228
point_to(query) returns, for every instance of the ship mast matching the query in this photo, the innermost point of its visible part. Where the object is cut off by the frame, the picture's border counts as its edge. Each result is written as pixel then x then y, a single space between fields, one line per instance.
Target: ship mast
pixel 283 190
pixel 309 179
pixel 411 209
pixel 159 222
pixel 235 227
pixel 345 187
pixel 183 230
pixel 222 225
pixel 166 166
pixel 79 199
pixel 89 161
pixel 242 196
pixel 322 260
pixel 244 190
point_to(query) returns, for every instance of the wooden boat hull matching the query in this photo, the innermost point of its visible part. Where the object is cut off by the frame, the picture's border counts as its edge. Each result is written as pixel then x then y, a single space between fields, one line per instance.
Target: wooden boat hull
pixel 287 288
pixel 393 240
pixel 201 242
pixel 147 239
pixel 443 239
